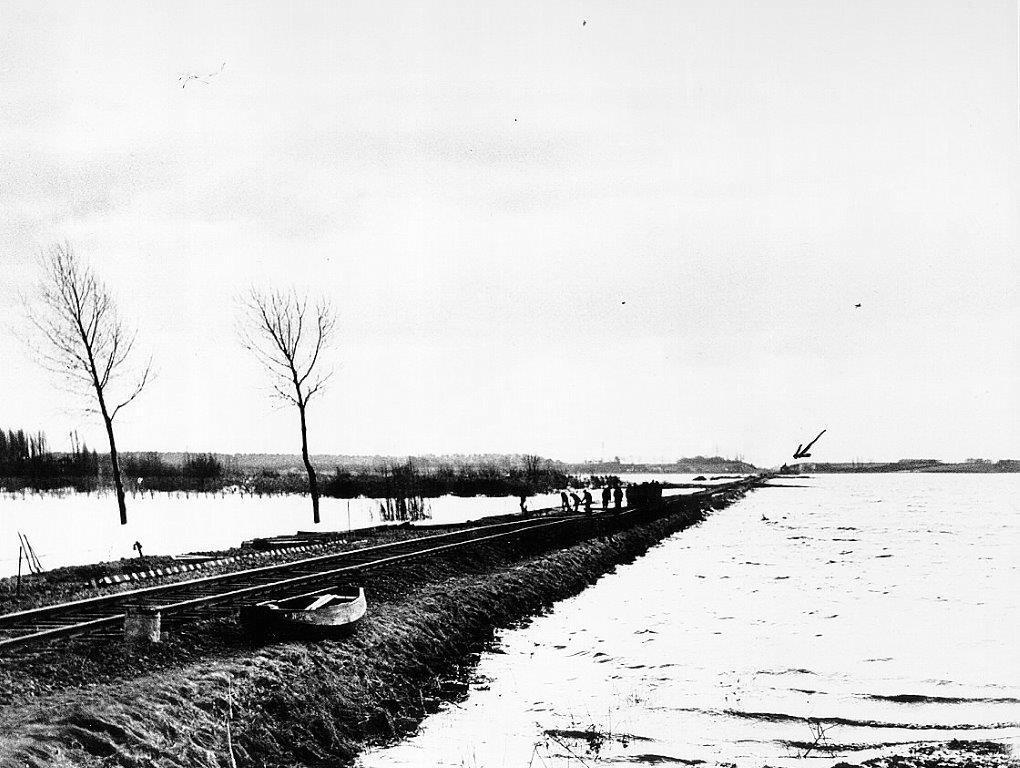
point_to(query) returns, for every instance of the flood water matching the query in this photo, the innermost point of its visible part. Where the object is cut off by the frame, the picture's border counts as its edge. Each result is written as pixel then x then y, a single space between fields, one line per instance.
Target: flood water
pixel 77 528
pixel 885 605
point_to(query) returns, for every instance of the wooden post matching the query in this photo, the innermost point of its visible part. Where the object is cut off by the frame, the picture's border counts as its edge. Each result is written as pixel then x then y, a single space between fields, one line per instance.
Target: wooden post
pixel 142 624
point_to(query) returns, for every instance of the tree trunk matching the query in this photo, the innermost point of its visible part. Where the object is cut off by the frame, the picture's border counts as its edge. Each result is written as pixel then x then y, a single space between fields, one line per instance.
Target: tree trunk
pixel 115 464
pixel 108 421
pixel 313 485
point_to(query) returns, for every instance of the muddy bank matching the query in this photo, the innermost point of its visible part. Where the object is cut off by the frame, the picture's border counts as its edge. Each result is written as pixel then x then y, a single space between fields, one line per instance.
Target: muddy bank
pixel 293 703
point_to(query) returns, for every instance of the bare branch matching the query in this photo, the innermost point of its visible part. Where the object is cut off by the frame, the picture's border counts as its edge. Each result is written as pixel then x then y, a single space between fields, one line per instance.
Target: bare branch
pixel 319 384
pixel 82 338
pixel 286 396
pixel 138 389
pixel 277 331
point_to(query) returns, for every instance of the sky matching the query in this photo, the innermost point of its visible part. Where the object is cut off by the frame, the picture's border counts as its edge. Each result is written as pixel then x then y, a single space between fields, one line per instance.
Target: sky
pixel 578 229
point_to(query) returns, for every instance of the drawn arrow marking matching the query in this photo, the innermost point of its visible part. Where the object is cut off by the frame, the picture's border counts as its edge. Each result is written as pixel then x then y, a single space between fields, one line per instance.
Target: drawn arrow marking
pixel 802 451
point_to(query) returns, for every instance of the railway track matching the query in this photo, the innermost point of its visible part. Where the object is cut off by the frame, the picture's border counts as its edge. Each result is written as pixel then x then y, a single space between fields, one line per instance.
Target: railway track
pixel 185 599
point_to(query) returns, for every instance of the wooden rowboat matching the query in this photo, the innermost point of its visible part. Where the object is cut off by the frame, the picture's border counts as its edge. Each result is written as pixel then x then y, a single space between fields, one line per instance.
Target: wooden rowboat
pixel 314 616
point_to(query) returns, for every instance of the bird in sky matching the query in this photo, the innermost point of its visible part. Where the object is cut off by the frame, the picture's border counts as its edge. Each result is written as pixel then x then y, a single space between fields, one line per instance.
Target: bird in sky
pixel 186 78
pixel 584 23
pixel 857 306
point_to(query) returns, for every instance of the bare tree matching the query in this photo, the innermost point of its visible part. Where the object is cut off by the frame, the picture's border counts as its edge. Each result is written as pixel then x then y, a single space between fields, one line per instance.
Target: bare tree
pixel 86 342
pixel 289 341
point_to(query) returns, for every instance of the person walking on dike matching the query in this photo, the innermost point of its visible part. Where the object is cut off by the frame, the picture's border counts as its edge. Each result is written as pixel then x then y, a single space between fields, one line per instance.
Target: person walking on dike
pixel 524 503
pixel 565 503
pixel 618 496
pixel 606 495
pixel 587 501
pixel 576 499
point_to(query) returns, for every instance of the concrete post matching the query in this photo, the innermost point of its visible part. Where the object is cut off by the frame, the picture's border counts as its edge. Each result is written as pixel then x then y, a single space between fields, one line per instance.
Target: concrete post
pixel 142 625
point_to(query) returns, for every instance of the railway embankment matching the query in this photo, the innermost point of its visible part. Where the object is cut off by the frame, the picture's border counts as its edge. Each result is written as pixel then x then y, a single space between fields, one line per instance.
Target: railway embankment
pixel 209 697
pixel 79 582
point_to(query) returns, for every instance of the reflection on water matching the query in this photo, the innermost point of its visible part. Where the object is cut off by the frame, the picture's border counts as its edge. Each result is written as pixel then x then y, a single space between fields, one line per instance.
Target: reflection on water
pixel 884 605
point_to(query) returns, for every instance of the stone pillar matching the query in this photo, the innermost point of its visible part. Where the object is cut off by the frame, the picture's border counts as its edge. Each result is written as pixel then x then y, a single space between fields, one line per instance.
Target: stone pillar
pixel 142 625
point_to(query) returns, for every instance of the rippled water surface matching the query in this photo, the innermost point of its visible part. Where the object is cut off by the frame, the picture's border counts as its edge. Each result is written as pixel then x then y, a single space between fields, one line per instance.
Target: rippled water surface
pixel 885 605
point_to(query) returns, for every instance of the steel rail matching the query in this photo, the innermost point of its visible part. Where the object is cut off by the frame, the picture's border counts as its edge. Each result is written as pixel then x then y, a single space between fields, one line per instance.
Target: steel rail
pixel 34 618
pixel 298 580
pixel 18 617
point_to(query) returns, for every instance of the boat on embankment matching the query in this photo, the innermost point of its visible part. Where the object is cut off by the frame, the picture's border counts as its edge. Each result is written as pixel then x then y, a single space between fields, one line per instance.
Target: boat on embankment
pixel 315 616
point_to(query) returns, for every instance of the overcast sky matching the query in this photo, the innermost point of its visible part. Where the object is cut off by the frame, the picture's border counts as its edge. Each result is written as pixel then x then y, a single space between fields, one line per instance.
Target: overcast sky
pixel 643 235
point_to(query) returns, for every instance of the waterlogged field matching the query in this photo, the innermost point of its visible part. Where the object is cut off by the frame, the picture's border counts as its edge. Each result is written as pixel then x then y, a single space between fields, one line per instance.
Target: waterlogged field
pixel 78 528
pixel 884 606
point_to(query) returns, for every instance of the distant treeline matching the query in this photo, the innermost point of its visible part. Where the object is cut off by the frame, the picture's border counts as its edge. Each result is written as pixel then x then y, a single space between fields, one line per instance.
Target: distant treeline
pixel 431 463
pixel 691 465
pixel 148 471
pixel 531 476
pixel 26 461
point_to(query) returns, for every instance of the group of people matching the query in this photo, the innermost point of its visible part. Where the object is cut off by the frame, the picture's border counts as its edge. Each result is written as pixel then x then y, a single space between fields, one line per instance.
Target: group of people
pixel 569 497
